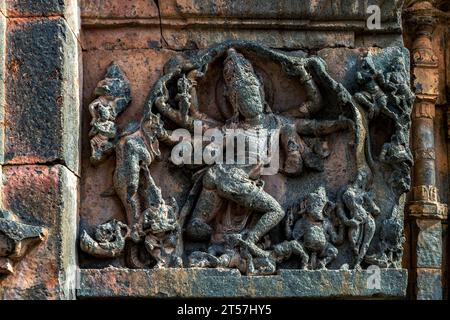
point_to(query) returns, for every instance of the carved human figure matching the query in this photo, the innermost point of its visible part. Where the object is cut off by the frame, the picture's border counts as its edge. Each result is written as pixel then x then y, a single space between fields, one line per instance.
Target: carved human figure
pixel 103 130
pixel 397 81
pixel 133 183
pixel 113 95
pixel 240 183
pixel 388 252
pixel 161 228
pixel 397 154
pixel 358 202
pixel 150 220
pixel 373 96
pixel 184 96
pixel 313 233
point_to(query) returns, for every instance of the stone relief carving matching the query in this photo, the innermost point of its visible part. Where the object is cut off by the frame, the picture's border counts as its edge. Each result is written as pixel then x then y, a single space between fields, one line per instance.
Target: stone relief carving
pixel 230 218
pixel 15 240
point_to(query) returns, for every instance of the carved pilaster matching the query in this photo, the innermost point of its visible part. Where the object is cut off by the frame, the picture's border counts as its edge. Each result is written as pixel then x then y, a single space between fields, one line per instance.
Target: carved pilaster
pixel 425 210
pixel 421 18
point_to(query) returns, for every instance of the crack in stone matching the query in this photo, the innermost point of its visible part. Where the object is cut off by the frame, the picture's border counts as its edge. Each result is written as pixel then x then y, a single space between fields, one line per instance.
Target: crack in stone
pixel 164 43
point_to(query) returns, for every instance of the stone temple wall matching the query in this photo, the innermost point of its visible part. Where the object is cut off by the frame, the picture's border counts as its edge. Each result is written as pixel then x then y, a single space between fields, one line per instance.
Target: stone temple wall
pixel 90 91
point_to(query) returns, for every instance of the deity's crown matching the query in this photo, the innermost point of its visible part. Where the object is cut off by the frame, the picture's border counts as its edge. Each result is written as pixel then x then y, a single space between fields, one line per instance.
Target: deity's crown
pixel 237 68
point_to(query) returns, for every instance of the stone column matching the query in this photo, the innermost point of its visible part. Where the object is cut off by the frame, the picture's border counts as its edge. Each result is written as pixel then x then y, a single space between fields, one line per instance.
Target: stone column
pixel 40 102
pixel 426 213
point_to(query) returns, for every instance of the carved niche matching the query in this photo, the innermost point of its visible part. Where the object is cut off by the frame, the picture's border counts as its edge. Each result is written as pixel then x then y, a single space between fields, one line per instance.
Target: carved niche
pixel 306 181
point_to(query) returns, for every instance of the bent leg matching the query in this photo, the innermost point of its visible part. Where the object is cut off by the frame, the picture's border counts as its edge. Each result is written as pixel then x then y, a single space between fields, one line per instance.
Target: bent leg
pixel 369 231
pixel 250 196
pixel 206 209
pixel 322 128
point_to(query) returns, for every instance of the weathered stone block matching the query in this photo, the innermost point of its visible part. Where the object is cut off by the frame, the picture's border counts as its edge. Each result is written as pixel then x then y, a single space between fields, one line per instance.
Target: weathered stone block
pixel 379 40
pixel 42 93
pixel 429 284
pixel 43 196
pixel 118 8
pixel 201 283
pixel 2 79
pixel 429 244
pixel 45 8
pixel 122 38
pixel 289 39
pixel 188 24
pixel 25 8
pixel 315 10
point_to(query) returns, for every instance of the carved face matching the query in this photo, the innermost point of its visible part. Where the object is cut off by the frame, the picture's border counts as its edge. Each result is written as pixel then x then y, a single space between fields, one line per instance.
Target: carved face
pixel 105 232
pixel 153 126
pixel 104 112
pixel 362 179
pixel 244 88
pixel 315 205
pixel 398 65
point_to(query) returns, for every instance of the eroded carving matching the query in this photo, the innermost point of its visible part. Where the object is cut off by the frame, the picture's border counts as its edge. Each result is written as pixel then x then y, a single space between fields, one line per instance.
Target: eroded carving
pixel 113 96
pixel 313 234
pixel 15 240
pixel 230 218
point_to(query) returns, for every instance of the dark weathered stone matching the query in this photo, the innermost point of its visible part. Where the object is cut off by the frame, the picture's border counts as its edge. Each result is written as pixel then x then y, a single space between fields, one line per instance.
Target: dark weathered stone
pixel 24 8
pixel 68 9
pixel 177 39
pixel 429 284
pixel 188 24
pixel 321 10
pixel 47 197
pixel 429 244
pixel 380 40
pixel 212 283
pixel 42 96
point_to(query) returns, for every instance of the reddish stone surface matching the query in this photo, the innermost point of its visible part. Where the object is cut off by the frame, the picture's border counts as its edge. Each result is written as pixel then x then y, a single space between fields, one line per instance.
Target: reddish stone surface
pixel 318 9
pixel 118 8
pixel 28 8
pixel 2 77
pixel 143 68
pixel 42 196
pixel 148 37
pixel 192 38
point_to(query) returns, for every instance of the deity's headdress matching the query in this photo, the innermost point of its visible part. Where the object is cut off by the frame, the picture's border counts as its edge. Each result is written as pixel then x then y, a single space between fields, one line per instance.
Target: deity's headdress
pixel 238 73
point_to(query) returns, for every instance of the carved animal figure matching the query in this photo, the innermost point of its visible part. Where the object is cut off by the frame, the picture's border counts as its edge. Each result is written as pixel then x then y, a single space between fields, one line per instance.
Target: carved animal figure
pixel 108 242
